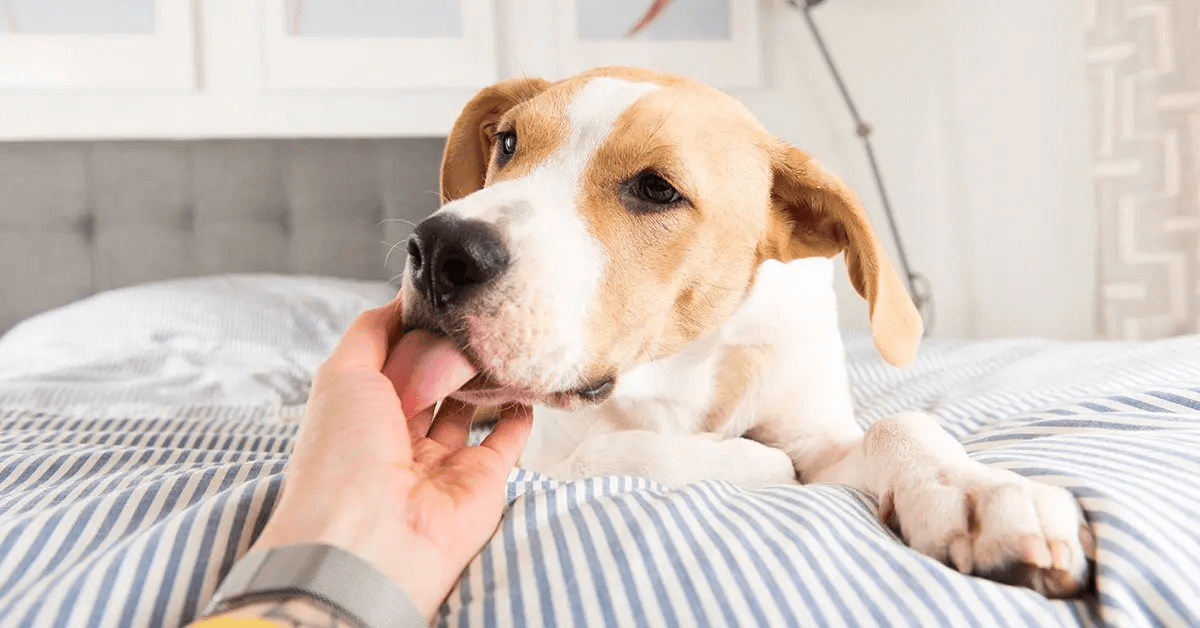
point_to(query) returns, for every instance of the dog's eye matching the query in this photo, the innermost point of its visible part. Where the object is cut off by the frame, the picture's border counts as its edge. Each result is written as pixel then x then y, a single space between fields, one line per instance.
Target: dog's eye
pixel 508 143
pixel 654 189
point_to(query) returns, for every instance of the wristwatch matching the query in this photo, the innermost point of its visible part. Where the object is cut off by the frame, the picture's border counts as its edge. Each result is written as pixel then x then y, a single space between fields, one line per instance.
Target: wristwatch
pixel 328 575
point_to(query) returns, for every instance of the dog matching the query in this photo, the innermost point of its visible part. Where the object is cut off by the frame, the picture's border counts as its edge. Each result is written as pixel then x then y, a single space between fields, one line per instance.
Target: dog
pixel 634 255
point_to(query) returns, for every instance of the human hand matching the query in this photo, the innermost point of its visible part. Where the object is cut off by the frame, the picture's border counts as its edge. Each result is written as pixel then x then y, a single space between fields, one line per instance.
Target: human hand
pixel 406 494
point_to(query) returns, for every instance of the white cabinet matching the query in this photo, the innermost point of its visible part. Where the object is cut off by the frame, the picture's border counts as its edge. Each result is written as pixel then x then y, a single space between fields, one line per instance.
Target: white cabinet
pixel 86 69
pixel 97 44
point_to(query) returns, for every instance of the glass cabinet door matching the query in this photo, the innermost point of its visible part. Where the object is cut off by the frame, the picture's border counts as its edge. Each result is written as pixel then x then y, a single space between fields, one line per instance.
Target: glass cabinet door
pixel 378 44
pixel 713 41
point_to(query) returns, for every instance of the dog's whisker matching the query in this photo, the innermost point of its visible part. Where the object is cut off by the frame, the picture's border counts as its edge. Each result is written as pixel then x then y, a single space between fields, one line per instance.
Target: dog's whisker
pixel 388 255
pixel 403 220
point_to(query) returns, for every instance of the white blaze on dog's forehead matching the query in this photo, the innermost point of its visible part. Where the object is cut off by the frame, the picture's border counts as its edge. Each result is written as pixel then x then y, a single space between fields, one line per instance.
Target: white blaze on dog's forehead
pixel 593 112
pixel 565 262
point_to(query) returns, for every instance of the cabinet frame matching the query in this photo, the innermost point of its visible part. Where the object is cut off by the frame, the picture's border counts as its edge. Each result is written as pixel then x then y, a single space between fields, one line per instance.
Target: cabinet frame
pixel 164 59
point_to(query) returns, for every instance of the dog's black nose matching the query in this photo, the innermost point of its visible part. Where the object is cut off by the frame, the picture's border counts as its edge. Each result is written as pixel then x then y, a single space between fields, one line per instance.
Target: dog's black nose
pixel 451 256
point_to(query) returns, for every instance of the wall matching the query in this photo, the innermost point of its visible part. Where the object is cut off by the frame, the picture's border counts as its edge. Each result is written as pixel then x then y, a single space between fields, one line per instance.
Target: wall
pixel 979 111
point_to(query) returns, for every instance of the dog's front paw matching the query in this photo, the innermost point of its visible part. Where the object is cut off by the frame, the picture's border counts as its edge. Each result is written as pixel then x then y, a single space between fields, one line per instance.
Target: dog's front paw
pixel 997 525
pixel 756 464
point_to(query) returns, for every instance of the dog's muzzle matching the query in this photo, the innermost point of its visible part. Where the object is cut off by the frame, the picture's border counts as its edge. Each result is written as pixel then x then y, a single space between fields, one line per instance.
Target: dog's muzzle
pixel 457 267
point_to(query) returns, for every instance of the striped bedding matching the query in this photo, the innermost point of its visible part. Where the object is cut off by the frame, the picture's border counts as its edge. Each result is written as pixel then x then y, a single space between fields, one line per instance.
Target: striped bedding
pixel 144 432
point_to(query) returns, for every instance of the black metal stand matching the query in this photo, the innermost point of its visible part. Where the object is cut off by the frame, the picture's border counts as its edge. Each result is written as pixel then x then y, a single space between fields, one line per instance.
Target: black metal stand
pixel 918 285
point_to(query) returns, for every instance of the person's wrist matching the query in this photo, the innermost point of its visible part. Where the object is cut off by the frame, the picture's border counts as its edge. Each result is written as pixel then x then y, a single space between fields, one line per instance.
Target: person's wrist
pixel 396 559
pixel 289 609
pixel 309 581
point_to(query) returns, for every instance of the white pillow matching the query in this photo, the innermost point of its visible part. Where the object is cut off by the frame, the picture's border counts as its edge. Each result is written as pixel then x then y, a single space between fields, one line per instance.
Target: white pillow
pixel 214 340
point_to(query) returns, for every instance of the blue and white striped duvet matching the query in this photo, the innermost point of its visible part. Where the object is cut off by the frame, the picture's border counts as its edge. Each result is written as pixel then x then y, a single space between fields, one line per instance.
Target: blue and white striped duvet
pixel 143 436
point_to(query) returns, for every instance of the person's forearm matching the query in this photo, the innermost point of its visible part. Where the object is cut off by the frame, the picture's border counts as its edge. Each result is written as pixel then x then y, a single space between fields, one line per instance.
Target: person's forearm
pixel 287 612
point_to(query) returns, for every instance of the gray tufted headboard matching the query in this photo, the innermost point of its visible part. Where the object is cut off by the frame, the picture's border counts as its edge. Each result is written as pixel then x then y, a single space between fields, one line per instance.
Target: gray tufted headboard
pixel 80 217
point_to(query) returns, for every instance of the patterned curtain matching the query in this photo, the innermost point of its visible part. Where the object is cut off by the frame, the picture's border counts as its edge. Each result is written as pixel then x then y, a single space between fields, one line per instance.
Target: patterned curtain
pixel 1144 76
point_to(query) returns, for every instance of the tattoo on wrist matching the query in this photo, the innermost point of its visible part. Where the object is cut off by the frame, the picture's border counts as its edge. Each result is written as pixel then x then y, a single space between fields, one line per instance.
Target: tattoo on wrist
pixel 294 611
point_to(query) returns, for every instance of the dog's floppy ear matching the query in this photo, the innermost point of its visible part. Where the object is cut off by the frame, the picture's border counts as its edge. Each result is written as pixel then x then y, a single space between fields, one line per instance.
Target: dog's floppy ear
pixel 469 145
pixel 820 216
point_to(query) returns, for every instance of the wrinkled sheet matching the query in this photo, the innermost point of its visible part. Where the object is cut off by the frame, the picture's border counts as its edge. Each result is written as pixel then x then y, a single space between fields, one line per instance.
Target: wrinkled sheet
pixel 143 435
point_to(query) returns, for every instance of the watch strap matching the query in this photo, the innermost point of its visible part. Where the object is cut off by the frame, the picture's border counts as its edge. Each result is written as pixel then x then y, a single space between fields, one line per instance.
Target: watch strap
pixel 325 573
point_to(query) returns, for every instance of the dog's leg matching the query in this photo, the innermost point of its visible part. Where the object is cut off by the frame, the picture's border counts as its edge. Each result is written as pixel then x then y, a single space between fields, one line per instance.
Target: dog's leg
pixel 677 459
pixel 981 520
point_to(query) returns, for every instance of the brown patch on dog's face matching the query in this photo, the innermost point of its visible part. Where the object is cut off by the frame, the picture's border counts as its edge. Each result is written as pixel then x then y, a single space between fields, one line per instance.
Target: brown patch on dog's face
pixel 674 271
pixel 466 162
pixel 539 127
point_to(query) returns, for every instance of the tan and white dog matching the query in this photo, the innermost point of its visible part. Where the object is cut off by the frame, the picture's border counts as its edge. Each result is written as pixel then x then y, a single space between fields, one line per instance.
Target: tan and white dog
pixel 635 255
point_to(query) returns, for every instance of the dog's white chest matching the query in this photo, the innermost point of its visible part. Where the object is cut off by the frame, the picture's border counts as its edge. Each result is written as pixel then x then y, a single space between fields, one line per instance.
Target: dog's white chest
pixel 789 320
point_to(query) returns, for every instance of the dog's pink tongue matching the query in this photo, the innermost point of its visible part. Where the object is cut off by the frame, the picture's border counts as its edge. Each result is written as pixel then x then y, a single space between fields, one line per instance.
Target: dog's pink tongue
pixel 425 368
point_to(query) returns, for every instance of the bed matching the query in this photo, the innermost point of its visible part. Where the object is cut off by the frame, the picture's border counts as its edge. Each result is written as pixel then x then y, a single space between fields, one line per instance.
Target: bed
pixel 144 433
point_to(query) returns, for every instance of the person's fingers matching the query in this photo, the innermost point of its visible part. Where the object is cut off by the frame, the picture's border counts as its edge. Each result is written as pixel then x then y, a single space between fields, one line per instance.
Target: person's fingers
pixel 396 330
pixel 452 424
pixel 396 322
pixel 425 368
pixel 418 426
pixel 509 435
pixel 365 343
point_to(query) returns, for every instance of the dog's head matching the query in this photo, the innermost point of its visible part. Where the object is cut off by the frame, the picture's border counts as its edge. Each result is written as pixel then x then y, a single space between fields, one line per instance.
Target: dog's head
pixel 609 219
